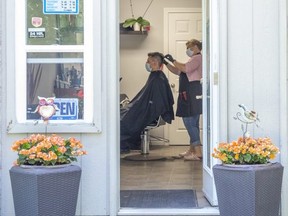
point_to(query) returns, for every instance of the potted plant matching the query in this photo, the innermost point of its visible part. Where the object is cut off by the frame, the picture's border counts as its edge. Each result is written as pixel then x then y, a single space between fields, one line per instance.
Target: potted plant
pixel 44 181
pixel 137 24
pixel 247 183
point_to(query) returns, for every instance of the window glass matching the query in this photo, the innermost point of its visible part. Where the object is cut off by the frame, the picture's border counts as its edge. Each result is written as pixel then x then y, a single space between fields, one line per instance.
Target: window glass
pixel 48 29
pixel 59 75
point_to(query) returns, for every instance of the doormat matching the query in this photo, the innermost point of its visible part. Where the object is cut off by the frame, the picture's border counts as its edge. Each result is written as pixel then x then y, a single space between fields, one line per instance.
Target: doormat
pixel 158 198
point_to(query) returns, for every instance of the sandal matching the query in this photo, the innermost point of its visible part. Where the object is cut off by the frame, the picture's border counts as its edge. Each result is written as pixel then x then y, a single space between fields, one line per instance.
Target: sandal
pixel 186 153
pixel 191 157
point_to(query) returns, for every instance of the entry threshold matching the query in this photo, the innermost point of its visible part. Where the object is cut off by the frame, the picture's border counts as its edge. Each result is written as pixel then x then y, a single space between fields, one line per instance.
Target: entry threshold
pixel 208 211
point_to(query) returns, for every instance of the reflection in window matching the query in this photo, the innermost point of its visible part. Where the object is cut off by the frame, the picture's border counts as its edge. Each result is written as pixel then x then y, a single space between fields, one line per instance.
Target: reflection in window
pixel 43 29
pixel 59 75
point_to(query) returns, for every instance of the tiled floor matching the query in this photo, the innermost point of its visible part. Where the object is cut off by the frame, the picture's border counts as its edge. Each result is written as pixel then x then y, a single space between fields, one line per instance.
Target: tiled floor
pixel 166 174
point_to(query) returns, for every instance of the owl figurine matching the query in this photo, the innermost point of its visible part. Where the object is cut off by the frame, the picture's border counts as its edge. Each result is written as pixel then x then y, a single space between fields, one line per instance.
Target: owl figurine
pixel 46 107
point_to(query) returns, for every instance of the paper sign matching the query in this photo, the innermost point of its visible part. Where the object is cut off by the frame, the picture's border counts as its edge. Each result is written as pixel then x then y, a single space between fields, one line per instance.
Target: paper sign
pixel 60 6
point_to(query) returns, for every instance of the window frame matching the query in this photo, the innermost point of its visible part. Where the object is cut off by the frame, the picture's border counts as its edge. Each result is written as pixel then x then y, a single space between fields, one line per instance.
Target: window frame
pixel 91 122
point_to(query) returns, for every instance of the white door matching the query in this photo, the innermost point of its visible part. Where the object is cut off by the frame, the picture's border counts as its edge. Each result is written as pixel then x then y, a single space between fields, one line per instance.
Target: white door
pixel 180 25
pixel 210 95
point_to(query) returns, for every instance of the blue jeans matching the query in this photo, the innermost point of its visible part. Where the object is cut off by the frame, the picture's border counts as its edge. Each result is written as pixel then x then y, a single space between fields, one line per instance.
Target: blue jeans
pixel 192 126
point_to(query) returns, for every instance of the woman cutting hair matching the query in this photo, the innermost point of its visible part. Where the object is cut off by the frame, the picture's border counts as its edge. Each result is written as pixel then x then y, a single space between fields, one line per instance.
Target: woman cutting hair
pixel 188 106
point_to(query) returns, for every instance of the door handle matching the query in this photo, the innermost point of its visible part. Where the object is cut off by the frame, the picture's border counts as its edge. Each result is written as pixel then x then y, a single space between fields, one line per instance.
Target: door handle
pixel 172 85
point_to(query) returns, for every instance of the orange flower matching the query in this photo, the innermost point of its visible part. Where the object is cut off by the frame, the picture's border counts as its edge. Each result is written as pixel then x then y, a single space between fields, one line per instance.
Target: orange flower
pixel 62 149
pixel 39 149
pixel 260 150
pixel 32 156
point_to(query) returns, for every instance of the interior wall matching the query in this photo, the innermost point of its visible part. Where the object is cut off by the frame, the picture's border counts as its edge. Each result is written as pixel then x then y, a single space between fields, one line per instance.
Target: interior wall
pixel 134 48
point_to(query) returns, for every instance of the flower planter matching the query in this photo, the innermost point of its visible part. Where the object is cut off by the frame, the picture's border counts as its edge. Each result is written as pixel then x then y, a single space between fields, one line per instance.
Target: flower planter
pixel 45 191
pixel 250 190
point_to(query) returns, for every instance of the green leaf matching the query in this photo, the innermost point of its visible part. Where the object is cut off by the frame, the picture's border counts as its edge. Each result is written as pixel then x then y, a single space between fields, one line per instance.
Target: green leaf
pixel 247 158
pixel 26 146
pixel 129 22
pixel 145 23
pixel 32 162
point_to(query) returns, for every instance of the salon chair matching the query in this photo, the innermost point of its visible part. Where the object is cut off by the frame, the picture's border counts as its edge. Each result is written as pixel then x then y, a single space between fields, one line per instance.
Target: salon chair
pixel 124 100
pixel 145 143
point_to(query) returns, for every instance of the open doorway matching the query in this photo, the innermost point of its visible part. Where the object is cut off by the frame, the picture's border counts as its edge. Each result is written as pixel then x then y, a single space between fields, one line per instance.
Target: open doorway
pixel 172 173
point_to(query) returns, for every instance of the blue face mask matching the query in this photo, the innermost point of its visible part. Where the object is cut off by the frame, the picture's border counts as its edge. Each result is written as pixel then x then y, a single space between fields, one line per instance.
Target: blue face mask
pixel 189 52
pixel 148 67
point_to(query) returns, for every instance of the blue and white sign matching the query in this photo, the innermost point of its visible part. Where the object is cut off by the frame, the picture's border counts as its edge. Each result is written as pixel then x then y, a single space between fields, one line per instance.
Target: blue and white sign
pixel 68 109
pixel 60 6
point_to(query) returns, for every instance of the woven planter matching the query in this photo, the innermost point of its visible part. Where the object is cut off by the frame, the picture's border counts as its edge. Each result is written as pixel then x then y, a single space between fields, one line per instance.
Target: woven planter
pixel 250 190
pixel 39 191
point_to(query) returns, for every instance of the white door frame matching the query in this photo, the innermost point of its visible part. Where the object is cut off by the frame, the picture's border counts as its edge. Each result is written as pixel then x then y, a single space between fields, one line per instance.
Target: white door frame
pixel 283 49
pixel 115 200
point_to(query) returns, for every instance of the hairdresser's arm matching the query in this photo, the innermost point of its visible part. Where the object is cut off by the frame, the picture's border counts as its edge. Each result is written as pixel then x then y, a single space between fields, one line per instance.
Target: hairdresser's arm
pixel 177 65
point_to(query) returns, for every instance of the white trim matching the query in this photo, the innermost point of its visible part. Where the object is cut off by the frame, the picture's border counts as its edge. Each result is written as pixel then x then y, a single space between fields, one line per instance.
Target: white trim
pixel 54 60
pixel 283 100
pixel 55 48
pixel 223 71
pixel 92 82
pixel 203 211
pixel 111 65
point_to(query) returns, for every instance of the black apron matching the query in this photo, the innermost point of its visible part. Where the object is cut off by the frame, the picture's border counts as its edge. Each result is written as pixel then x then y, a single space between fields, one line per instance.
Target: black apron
pixel 187 104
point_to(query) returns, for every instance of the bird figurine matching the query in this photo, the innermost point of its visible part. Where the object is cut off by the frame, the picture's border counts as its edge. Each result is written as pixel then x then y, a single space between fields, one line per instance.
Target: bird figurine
pixel 46 108
pixel 247 116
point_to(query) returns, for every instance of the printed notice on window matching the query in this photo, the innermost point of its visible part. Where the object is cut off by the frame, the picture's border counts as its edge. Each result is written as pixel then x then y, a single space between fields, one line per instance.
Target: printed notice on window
pixel 60 6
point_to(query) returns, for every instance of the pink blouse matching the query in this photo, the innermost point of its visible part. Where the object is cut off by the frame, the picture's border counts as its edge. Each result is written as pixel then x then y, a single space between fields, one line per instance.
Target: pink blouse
pixel 194 68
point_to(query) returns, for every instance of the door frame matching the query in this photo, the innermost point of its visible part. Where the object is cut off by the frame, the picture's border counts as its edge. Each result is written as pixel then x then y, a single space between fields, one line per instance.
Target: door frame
pixel 283 53
pixel 115 166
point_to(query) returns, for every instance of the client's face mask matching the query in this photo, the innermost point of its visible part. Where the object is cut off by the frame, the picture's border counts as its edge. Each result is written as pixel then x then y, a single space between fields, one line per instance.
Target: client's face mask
pixel 148 67
pixel 189 52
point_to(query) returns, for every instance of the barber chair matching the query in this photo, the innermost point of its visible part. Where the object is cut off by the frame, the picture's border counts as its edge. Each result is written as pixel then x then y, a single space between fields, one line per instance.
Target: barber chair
pixel 124 100
pixel 145 143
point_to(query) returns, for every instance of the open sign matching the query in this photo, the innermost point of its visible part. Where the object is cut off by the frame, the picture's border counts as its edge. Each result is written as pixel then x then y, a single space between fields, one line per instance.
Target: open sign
pixel 68 109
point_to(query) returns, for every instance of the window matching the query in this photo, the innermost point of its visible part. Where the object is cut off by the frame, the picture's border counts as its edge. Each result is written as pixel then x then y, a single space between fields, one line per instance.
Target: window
pixel 55 27
pixel 54 58
pixel 59 75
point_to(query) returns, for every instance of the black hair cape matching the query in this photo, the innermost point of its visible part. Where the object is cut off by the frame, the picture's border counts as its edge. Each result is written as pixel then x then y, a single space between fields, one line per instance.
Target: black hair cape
pixel 154 99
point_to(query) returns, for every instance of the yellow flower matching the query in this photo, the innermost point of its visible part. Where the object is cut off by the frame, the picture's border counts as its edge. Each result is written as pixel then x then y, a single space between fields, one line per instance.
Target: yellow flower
pixel 272 156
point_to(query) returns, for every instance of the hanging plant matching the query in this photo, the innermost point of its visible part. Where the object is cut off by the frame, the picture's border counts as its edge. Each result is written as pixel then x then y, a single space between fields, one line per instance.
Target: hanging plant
pixel 142 23
pixel 131 21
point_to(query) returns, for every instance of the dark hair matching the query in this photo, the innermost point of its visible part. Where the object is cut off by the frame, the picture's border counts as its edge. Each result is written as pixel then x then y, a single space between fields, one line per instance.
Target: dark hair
pixel 158 56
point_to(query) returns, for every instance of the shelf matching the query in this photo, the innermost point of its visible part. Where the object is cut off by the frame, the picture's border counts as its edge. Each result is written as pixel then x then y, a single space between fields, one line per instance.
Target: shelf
pixel 133 32
pixel 129 31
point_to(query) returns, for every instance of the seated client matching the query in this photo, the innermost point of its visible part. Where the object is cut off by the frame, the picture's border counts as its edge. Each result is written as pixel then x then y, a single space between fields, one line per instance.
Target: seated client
pixel 154 99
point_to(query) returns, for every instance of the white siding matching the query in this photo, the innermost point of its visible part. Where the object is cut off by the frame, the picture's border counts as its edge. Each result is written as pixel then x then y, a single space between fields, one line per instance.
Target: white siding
pixel 1 44
pixel 253 65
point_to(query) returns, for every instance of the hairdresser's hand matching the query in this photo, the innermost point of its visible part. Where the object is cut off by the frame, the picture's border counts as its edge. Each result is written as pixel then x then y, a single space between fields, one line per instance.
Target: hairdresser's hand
pixel 165 62
pixel 170 58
